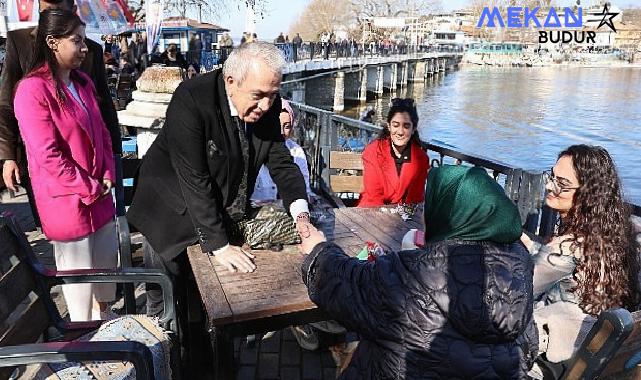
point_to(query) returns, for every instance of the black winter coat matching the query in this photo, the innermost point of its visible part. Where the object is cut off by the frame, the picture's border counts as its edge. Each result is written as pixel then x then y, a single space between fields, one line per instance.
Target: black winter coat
pixel 452 310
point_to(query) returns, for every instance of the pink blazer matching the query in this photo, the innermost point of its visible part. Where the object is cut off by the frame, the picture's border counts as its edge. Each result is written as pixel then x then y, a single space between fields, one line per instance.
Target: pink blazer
pixel 69 153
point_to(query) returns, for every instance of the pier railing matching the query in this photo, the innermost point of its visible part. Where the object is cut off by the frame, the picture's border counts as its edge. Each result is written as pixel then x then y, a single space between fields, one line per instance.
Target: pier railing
pixel 328 51
pixel 320 132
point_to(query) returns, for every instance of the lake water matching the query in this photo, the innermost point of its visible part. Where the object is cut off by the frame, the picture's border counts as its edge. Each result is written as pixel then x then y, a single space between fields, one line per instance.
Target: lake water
pixel 526 116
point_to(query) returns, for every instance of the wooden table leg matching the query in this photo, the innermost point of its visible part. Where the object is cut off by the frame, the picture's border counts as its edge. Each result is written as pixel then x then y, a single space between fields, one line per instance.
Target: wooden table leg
pixel 223 347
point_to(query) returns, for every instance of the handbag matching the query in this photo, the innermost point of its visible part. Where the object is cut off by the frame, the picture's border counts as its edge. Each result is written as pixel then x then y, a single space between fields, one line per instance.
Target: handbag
pixel 271 226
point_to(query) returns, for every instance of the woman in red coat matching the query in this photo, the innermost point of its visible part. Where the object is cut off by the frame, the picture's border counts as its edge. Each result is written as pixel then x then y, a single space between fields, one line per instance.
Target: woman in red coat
pixel 394 165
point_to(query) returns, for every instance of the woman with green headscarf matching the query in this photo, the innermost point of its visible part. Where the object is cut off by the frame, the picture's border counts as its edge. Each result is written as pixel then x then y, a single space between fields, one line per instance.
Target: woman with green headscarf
pixel 458 308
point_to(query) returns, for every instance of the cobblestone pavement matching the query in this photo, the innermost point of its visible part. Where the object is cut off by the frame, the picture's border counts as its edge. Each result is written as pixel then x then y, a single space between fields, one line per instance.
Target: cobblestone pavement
pixel 276 356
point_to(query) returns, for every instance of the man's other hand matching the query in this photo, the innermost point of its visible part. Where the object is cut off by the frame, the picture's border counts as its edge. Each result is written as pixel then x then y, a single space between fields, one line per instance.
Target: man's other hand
pixel 236 259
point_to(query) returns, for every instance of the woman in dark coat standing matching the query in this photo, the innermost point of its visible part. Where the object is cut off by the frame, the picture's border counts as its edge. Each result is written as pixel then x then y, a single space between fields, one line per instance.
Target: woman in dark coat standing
pixel 458 308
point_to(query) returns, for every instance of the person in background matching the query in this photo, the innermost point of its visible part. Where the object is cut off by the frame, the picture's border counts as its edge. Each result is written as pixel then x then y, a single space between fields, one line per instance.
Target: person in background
pixel 265 189
pixel 172 58
pixel 395 165
pixel 135 51
pixel 458 308
pixel 591 263
pixel 124 46
pixel 226 44
pixel 70 159
pixel 126 67
pixel 108 42
pixel 19 52
pixel 192 71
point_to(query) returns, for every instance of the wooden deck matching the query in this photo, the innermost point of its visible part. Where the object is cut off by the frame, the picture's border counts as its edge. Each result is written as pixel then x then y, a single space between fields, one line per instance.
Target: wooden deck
pixel 274 296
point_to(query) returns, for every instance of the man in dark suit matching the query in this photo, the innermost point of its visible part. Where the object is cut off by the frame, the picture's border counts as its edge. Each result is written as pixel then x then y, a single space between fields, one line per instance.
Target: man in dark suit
pixel 196 178
pixel 19 50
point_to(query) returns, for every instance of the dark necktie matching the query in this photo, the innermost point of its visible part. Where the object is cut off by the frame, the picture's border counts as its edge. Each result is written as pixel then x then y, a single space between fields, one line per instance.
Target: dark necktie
pixel 237 209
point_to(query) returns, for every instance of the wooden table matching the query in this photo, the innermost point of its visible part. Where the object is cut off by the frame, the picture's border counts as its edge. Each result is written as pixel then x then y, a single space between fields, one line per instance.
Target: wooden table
pixel 274 296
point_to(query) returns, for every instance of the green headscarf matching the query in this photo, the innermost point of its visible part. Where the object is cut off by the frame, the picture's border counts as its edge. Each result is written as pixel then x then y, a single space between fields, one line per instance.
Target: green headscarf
pixel 466 203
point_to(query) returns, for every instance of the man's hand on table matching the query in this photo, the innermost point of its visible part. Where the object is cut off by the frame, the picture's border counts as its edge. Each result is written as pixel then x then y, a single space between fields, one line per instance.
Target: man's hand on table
pixel 236 259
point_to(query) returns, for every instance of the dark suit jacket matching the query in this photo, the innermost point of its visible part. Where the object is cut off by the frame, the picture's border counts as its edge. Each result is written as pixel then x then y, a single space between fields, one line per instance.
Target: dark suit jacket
pixel 19 46
pixel 194 168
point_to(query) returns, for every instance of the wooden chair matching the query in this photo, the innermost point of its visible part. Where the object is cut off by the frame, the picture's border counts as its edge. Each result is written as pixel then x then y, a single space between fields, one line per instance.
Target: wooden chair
pixel 28 313
pixel 612 349
pixel 346 174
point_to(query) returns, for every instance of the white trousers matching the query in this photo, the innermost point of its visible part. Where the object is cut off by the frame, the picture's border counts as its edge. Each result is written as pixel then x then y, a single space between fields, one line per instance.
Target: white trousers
pixel 98 250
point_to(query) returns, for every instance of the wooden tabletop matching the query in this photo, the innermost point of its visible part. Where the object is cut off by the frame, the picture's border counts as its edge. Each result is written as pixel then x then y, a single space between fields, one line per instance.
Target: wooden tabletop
pixel 276 287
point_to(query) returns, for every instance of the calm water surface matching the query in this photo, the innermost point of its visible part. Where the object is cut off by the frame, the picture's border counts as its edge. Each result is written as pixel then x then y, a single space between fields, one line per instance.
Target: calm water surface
pixel 526 116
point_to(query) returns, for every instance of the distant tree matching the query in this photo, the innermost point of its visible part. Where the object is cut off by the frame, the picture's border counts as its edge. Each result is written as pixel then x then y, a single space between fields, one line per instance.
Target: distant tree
pixel 329 15
pixel 393 8
pixel 209 9
pixel 322 16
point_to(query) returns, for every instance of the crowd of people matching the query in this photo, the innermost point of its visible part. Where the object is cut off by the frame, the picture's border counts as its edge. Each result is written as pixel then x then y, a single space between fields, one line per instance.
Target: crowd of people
pixel 477 298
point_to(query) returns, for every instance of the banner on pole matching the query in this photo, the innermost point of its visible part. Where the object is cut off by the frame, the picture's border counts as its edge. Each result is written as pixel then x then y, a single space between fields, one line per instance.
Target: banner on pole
pixel 154 15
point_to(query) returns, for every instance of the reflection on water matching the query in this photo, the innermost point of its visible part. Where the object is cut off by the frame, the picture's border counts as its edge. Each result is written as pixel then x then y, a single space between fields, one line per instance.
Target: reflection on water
pixel 525 116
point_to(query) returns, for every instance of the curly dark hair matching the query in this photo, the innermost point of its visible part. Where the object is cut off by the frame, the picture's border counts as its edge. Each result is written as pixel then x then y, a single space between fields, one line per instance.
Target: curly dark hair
pixel 399 106
pixel 599 222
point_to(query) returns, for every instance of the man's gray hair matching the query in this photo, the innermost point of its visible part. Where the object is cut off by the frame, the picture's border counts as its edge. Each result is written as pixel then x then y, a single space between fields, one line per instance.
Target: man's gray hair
pixel 249 55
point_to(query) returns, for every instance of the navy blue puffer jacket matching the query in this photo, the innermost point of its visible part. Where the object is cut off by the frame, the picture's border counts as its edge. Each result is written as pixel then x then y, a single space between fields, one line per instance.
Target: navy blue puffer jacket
pixel 452 310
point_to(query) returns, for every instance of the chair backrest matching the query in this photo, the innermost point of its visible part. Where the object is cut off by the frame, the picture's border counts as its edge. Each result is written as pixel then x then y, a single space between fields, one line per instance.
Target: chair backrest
pixel 612 346
pixel 23 313
pixel 345 183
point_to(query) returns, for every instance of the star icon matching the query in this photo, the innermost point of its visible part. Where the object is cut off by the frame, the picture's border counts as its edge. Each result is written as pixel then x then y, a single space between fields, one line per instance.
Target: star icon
pixel 607 18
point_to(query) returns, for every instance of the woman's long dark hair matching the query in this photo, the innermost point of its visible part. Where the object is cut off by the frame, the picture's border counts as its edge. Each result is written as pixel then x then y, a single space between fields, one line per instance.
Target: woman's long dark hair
pixel 58 23
pixel 599 222
pixel 400 106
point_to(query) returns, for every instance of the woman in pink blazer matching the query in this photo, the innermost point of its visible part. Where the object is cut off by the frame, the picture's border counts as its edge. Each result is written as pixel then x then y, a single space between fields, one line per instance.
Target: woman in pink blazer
pixel 70 161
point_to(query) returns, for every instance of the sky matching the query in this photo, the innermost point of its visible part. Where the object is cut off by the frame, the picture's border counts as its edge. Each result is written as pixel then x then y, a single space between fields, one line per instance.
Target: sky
pixel 280 14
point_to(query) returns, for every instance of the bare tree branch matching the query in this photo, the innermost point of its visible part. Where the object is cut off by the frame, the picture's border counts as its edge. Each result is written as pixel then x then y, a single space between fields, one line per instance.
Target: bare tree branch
pixel 210 9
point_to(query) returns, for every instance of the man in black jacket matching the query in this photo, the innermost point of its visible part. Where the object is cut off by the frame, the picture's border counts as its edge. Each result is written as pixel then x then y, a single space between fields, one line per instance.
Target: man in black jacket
pixel 196 178
pixel 20 44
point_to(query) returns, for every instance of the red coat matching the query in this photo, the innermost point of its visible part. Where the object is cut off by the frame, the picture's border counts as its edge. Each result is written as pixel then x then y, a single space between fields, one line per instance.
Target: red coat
pixel 382 185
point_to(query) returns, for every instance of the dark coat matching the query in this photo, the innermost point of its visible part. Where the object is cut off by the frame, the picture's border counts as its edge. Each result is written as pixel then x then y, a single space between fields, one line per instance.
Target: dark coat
pixel 194 168
pixel 19 47
pixel 452 310
pixel 179 62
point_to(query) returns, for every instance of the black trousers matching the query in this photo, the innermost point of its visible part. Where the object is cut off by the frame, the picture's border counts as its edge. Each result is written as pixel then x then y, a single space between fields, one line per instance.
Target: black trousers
pixel 176 269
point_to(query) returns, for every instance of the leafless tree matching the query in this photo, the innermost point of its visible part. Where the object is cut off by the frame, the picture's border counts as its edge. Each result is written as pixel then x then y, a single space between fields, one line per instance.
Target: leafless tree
pixel 207 9
pixel 322 16
pixel 393 8
pixel 329 15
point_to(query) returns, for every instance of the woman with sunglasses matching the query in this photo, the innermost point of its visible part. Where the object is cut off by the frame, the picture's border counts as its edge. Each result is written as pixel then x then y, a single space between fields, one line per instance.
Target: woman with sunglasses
pixel 395 165
pixel 591 264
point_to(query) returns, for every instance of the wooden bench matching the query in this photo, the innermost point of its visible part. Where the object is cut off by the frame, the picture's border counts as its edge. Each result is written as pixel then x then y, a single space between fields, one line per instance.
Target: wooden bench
pixel 346 182
pixel 346 177
pixel 28 313
pixel 611 350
